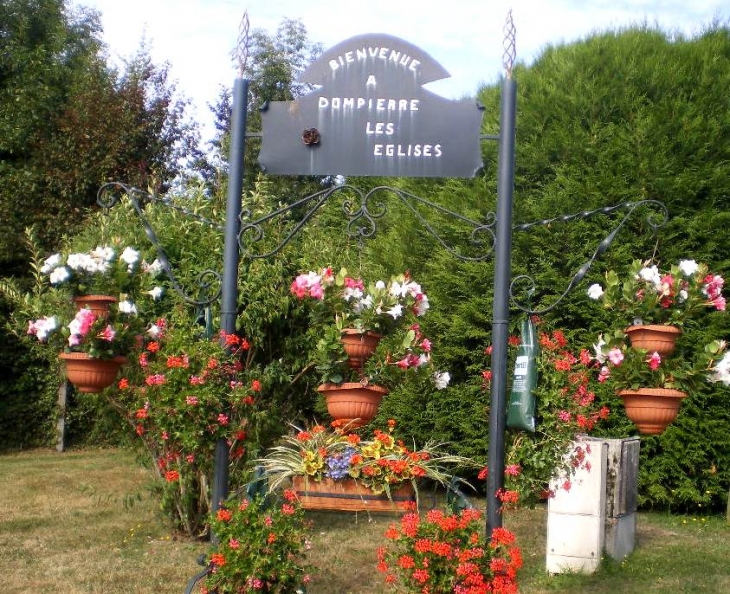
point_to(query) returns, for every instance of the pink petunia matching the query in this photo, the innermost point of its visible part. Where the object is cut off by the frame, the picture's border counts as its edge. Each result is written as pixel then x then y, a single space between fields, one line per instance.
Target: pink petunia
pixel 615 356
pixel 654 361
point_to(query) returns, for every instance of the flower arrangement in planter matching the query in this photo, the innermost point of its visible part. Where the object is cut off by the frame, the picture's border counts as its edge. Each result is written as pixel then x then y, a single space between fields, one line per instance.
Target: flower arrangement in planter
pixel 650 296
pixel 368 336
pixel 181 395
pixel 656 304
pixel 639 358
pixel 653 385
pixel 380 464
pixel 89 303
pixel 261 547
pixel 567 406
pixel 103 270
pixel 448 552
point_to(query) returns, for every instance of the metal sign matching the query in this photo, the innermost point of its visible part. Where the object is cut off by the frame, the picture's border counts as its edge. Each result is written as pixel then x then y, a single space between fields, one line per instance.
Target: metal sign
pixel 371 117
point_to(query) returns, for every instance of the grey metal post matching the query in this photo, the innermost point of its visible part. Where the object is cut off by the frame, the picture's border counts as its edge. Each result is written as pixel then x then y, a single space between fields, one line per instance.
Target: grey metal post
pixel 500 319
pixel 229 291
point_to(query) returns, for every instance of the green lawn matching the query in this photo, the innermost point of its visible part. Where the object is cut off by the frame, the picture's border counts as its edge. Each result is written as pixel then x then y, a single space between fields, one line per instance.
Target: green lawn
pixel 84 521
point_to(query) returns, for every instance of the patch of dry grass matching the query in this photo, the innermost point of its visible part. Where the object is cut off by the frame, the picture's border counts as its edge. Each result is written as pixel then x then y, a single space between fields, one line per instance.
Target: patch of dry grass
pixel 65 529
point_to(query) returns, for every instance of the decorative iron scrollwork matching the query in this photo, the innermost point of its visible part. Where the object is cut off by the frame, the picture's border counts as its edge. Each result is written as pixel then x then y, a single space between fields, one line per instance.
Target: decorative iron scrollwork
pixel 526 284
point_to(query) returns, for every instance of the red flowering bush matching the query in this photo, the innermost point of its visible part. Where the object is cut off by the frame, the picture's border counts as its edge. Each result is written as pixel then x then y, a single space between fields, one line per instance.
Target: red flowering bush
pixel 261 547
pixel 444 553
pixel 566 406
pixel 183 394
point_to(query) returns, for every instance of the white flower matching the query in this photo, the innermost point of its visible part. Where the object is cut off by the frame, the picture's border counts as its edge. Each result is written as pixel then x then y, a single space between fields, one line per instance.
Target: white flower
pixel 130 257
pixel 682 296
pixel 154 331
pixel 380 285
pixel 651 275
pixel 364 303
pixel 422 305
pixel 152 269
pixel 396 311
pixel 103 254
pixel 441 379
pixel 50 263
pixel 688 267
pixel 398 290
pixel 721 371
pixel 595 291
pixel 352 293
pixel 155 293
pixel 127 307
pixel 45 326
pixel 598 349
pixel 59 275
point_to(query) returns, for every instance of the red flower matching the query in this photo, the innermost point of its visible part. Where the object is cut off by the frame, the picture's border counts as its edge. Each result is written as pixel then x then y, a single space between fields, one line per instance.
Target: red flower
pixel 218 559
pixel 406 562
pixel 123 383
pixel 224 515
pixel 172 476
pixel 256 385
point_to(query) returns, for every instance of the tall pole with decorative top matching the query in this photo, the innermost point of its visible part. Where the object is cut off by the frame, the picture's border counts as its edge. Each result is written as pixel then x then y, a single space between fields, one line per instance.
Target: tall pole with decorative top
pixel 500 318
pixel 231 253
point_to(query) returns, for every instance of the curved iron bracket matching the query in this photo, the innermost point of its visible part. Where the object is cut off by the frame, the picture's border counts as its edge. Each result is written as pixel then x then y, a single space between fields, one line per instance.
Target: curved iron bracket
pixel 110 194
pixel 362 211
pixel 199 576
pixel 654 219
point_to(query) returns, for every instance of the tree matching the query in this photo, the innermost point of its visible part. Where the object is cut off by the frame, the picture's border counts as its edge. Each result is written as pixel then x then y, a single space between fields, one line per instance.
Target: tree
pixel 69 123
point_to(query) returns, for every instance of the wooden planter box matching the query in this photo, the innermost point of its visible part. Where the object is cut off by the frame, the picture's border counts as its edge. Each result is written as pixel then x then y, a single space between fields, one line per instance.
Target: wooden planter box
pixel 349 495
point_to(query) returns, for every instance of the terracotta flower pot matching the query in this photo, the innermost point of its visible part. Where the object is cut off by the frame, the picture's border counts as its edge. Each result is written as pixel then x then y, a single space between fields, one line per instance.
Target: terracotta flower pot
pixel 99 304
pixel 91 375
pixel 652 409
pixel 352 402
pixel 652 338
pixel 359 346
pixel 350 495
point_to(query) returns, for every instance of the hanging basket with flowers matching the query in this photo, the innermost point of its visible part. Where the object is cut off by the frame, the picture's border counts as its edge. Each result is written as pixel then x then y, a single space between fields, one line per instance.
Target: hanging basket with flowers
pixel 90 311
pixel 655 304
pixel 639 356
pixel 367 335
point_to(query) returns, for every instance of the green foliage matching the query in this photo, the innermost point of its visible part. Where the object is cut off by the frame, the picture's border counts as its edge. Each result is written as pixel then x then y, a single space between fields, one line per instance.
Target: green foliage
pixel 69 122
pixel 262 544
pixel 181 396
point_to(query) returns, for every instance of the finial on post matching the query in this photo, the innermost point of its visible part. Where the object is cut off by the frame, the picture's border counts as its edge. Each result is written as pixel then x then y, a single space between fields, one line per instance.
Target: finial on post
pixel 240 52
pixel 510 44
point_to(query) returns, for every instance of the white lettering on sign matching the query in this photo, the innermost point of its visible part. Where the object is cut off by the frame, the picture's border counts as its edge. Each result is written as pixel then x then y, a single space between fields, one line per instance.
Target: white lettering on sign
pixel 407 150
pixel 380 128
pixel 364 103
pixel 387 55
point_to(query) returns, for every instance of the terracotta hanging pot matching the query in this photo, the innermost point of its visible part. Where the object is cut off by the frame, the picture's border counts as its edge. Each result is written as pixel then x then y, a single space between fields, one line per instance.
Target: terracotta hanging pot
pixel 350 495
pixel 652 409
pixel 659 338
pixel 90 375
pixel 99 304
pixel 359 346
pixel 352 403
